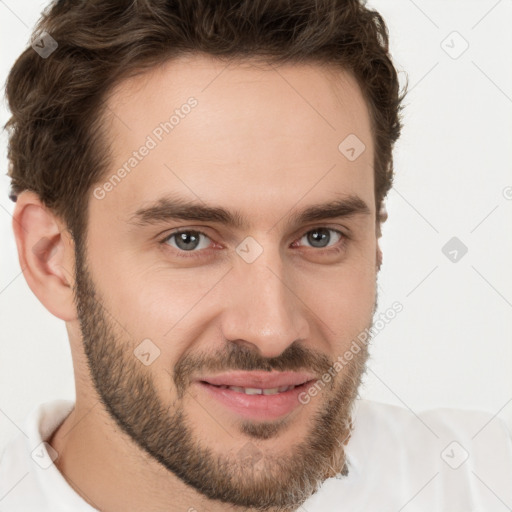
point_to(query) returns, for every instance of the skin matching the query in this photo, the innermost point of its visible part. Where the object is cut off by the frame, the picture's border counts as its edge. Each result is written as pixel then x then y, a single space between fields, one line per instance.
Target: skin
pixel 255 145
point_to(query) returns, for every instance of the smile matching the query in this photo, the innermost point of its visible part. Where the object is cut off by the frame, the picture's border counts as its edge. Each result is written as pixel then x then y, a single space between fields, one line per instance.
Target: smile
pixel 256 391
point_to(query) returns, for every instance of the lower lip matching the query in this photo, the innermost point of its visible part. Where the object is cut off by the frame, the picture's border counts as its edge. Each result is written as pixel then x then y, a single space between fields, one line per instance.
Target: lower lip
pixel 256 407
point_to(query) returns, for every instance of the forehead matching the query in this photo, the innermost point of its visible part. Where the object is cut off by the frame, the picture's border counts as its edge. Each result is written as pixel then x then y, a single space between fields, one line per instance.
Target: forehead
pixel 242 132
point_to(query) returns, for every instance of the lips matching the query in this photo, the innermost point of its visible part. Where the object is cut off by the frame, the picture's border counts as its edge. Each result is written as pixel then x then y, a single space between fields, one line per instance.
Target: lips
pixel 257 396
pixel 258 381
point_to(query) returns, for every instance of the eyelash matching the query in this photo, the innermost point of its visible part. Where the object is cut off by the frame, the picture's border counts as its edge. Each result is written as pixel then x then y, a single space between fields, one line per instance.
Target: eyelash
pixel 198 253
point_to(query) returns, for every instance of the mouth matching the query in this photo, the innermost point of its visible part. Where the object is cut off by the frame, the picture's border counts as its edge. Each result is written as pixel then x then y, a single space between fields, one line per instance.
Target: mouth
pixel 257 395
pixel 258 380
pixel 257 391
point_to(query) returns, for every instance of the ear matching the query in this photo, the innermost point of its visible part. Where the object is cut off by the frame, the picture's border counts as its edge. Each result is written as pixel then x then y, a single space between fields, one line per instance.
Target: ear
pixel 379 256
pixel 46 255
pixel 381 218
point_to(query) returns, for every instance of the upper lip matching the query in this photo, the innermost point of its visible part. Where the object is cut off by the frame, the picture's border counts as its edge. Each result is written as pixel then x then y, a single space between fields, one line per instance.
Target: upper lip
pixel 258 379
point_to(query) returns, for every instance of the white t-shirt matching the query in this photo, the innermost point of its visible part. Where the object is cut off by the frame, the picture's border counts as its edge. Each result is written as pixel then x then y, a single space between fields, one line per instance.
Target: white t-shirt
pixel 440 460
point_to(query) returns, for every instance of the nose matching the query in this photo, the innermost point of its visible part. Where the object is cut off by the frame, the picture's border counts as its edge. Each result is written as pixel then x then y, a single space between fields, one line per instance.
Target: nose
pixel 264 308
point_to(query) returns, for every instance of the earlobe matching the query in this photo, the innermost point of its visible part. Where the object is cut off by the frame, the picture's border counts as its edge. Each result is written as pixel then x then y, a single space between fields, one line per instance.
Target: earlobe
pixel 379 256
pixel 46 255
pixel 381 218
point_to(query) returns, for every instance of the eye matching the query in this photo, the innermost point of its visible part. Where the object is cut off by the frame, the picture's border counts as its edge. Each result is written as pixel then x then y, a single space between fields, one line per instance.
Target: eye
pixel 320 238
pixel 187 241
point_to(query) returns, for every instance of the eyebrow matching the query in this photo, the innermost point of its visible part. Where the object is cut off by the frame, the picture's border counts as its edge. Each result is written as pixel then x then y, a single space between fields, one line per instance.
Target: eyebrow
pixel 176 208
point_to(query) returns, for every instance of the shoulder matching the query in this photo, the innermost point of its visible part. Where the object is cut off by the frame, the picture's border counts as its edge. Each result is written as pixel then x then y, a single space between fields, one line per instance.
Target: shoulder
pixel 441 439
pixel 439 459
pixel 28 478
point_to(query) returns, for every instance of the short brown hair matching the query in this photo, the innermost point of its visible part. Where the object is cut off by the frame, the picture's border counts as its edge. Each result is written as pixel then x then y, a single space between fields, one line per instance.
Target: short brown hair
pixel 56 145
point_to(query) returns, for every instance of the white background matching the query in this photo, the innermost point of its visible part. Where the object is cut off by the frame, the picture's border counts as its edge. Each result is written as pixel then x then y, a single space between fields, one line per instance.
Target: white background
pixel 451 346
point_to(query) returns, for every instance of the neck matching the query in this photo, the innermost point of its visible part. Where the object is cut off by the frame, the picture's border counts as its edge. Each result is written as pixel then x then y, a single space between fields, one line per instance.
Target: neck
pixel 105 467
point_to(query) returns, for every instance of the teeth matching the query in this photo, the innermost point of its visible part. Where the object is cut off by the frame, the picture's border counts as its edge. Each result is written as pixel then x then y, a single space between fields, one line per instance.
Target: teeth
pixel 252 391
pixel 236 388
pixel 256 391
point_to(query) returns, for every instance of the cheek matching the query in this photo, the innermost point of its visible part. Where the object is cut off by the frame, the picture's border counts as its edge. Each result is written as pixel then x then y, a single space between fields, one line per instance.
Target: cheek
pixel 342 298
pixel 347 301
pixel 169 307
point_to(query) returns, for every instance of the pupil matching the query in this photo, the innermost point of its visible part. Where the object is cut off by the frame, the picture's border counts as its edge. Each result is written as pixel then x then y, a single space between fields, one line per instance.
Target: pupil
pixel 316 237
pixel 186 240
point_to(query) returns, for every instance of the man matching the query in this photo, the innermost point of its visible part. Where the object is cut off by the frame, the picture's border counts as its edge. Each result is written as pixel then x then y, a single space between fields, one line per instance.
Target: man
pixel 199 193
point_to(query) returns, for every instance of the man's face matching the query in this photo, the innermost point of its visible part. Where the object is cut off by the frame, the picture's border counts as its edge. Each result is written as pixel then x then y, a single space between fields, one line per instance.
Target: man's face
pixel 169 321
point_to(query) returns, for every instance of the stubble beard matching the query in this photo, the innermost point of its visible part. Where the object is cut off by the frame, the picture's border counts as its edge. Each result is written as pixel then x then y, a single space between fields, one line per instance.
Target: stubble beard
pixel 249 476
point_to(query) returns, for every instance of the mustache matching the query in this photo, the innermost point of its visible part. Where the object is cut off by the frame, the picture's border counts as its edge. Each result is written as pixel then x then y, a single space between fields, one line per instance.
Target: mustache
pixel 240 357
